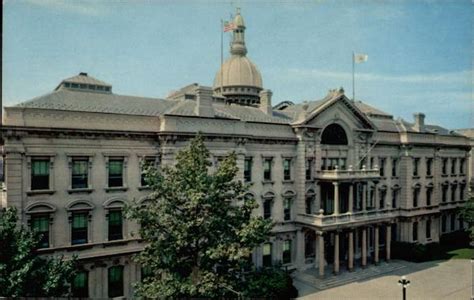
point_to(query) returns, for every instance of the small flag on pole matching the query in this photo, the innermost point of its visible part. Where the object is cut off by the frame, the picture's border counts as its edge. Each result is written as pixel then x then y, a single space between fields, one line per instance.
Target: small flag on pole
pixel 360 58
pixel 229 26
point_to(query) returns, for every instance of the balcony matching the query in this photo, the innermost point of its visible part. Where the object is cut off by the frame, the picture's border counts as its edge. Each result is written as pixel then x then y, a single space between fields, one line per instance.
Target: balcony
pixel 350 174
pixel 348 219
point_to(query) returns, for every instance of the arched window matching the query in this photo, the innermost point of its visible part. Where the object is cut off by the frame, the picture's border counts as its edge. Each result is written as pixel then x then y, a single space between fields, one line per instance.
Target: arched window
pixel 334 134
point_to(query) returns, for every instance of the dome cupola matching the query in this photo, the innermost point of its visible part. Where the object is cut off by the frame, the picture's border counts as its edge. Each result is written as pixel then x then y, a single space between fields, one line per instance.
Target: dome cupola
pixel 239 79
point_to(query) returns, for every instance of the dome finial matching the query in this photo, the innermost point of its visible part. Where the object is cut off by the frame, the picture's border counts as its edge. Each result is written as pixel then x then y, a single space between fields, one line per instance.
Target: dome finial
pixel 238 39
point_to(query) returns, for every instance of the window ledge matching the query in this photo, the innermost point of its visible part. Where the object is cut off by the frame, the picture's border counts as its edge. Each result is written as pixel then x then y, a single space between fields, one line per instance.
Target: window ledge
pixel 429 176
pixel 454 175
pixel 268 182
pixel 81 190
pixel 394 177
pixel 116 189
pixel 288 181
pixel 144 188
pixel 40 192
pixel 115 243
pixel 80 247
pixel 444 175
pixel 416 176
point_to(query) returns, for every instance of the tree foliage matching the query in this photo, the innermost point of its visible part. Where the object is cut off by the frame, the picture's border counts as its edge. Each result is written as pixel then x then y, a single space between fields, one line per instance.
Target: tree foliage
pixel 467 214
pixel 199 228
pixel 22 272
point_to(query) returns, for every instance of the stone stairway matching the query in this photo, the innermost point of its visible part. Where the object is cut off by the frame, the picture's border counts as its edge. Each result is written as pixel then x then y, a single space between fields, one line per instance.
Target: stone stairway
pixel 310 277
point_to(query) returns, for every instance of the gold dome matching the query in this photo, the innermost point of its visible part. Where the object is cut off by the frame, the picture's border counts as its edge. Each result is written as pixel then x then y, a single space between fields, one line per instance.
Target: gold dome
pixel 238 71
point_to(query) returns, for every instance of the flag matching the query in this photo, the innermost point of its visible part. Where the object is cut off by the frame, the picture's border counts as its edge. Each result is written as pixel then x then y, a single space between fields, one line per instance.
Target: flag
pixel 229 26
pixel 360 58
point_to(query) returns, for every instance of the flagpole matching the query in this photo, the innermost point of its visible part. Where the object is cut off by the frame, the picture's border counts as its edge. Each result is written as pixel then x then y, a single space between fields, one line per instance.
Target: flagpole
pixel 222 55
pixel 353 77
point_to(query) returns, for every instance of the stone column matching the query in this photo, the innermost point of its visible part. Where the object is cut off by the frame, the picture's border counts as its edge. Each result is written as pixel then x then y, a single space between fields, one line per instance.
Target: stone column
pixel 364 247
pixel 376 244
pixel 300 249
pixel 364 196
pixel 336 252
pixel 336 198
pixel 388 241
pixel 351 251
pixel 351 197
pixel 321 253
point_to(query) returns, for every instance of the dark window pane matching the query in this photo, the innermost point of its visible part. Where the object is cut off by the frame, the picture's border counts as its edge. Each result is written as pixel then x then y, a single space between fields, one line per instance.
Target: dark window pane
pixel 267 209
pixel 287 169
pixel 115 172
pixel 80 285
pixel 115 281
pixel 40 224
pixel 267 169
pixel 287 252
pixel 79 228
pixel 334 134
pixel 115 225
pixel 248 170
pixel 267 255
pixel 40 174
pixel 80 171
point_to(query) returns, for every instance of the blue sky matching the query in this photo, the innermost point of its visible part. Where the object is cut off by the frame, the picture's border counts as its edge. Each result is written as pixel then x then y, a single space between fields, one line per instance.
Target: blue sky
pixel 420 52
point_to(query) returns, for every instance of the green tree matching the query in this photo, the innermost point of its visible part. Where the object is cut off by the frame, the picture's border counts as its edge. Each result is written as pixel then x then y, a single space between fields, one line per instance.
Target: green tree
pixel 199 229
pixel 467 214
pixel 22 272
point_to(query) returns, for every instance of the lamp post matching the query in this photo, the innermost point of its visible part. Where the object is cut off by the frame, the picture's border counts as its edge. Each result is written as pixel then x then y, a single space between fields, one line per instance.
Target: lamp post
pixel 404 282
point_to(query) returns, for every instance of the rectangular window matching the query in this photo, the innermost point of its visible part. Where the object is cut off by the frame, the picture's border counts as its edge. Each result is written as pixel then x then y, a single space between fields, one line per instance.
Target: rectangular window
pixel 453 166
pixel 40 224
pixel 267 169
pixel 382 167
pixel 453 193
pixel 323 164
pixel 309 204
pixel 383 194
pixel 267 255
pixel 444 168
pixel 342 164
pixel 40 174
pixel 146 164
pixel 115 225
pixel 287 169
pixel 416 193
pixel 248 169
pixel 429 194
pixel 80 285
pixel 415 231
pixel 115 172
pixel 115 281
pixel 394 198
pixel 371 163
pixel 79 228
pixel 453 221
pixel 428 229
pixel 461 192
pixel 80 172
pixel 309 169
pixel 287 252
pixel 416 162
pixel 287 209
pixel 394 167
pixel 444 193
pixel 443 223
pixel 267 209
pixel 462 161
pixel 429 166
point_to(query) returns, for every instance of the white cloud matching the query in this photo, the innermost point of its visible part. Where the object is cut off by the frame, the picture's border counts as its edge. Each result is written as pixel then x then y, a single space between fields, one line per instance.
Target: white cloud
pixel 82 7
pixel 449 77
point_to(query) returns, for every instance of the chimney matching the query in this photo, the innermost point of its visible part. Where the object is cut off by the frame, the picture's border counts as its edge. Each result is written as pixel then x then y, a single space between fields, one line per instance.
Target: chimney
pixel 204 103
pixel 266 101
pixel 419 121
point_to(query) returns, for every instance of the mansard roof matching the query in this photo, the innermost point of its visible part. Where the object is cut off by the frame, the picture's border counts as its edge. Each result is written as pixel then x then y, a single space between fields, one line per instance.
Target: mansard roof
pixel 178 104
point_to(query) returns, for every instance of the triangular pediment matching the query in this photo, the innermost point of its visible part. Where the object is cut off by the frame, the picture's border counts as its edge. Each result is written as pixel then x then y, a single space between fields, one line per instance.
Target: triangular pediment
pixel 337 107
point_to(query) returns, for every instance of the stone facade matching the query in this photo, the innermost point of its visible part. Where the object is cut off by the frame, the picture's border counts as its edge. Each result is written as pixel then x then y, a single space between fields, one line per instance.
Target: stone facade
pixel 73 160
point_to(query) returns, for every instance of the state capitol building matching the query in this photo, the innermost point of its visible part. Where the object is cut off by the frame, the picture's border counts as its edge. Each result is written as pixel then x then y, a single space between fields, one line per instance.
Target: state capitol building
pixel 340 179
